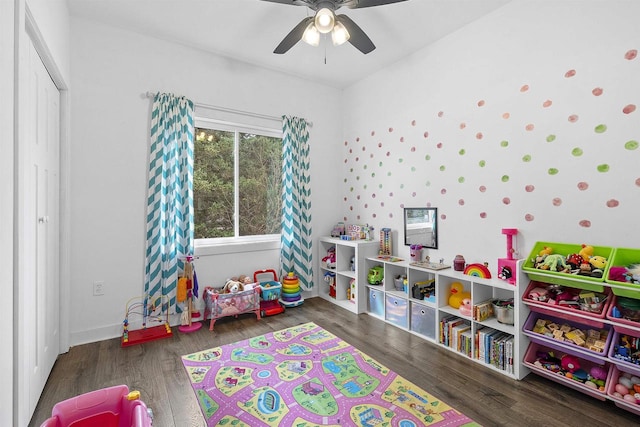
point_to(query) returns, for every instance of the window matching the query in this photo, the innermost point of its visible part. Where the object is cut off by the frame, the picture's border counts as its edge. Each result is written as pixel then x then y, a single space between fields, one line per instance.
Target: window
pixel 237 181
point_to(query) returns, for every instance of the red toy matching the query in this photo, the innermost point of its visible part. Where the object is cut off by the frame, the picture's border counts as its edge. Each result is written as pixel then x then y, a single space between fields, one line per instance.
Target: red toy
pixel 570 363
pixel 269 301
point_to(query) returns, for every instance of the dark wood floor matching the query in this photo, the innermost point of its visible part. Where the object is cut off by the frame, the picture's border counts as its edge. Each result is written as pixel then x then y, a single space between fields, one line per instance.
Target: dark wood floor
pixel 155 369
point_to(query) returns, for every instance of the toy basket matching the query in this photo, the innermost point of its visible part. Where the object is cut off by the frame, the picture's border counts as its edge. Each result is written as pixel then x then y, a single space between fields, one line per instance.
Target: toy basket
pixel 270 288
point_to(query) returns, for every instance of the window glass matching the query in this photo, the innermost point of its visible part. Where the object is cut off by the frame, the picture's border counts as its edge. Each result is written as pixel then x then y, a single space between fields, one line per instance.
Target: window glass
pixel 237 183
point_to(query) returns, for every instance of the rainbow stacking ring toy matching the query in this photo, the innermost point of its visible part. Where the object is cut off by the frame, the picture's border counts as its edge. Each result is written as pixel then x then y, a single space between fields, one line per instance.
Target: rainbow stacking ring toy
pixel 291 295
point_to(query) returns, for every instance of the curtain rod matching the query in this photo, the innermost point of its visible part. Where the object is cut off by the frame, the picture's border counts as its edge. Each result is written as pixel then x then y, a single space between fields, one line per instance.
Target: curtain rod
pixel 231 110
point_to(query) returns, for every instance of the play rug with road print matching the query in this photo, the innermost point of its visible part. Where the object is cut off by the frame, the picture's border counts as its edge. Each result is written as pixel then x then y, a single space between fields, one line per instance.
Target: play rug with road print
pixel 305 376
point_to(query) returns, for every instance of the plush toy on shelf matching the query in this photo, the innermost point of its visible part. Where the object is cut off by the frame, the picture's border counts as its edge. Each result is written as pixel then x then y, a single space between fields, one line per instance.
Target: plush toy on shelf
pixel 457 295
pixel 465 307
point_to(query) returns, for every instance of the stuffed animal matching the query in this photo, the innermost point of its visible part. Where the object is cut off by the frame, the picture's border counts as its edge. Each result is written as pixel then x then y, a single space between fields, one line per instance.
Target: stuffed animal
pixel 570 363
pixel 465 307
pixel 598 261
pixel 545 251
pixel 586 252
pixel 551 263
pixel 457 295
pixel 232 287
pixel 574 260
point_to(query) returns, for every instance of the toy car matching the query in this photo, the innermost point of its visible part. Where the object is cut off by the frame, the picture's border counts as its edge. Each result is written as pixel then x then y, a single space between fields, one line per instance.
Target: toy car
pixel 376 274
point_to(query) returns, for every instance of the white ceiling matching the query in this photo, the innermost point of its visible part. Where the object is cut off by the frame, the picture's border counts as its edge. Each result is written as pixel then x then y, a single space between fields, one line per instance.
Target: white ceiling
pixel 249 30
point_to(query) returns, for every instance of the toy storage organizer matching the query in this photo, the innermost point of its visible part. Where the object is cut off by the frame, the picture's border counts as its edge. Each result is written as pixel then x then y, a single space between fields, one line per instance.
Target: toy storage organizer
pixel 219 305
pixel 610 354
pixel 422 308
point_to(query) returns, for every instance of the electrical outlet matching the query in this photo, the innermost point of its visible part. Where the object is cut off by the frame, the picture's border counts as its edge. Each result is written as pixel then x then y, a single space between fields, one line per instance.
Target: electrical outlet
pixel 98 288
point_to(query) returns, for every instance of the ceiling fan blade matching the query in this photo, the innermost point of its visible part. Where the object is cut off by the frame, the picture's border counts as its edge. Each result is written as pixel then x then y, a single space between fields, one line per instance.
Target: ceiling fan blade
pixel 290 2
pixel 294 36
pixel 358 38
pixel 359 4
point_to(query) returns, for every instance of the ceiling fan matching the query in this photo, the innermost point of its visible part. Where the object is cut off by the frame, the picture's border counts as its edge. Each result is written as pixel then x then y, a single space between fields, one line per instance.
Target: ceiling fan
pixel 325 21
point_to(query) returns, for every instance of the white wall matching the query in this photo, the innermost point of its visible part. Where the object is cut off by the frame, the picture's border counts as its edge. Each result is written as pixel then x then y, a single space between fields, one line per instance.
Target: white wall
pixel 111 69
pixel 457 92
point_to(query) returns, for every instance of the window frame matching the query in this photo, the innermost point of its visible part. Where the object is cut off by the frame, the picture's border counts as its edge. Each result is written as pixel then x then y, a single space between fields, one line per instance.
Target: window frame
pixel 263 241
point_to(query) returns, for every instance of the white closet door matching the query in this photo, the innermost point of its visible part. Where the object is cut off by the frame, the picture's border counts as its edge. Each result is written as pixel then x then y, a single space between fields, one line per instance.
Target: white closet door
pixel 41 325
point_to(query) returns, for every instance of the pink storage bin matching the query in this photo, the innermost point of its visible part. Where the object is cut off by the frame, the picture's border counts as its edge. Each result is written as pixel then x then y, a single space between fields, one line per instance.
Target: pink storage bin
pixel 564 309
pixel 531 356
pixel 620 403
pixel 618 320
pixel 108 407
pixel 583 352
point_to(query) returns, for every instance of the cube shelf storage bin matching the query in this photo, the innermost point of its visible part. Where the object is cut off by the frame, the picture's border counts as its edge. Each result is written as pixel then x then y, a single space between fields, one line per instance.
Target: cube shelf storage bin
pixel 376 302
pixel 622 257
pixel 395 311
pixel 423 320
pixel 565 279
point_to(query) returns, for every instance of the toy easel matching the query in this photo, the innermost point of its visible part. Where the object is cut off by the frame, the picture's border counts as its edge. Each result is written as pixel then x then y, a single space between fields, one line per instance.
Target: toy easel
pixel 385 241
pixel 507 266
pixel 186 283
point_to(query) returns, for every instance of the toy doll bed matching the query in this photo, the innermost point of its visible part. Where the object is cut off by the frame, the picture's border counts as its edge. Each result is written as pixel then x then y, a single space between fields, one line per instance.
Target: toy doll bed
pixel 219 305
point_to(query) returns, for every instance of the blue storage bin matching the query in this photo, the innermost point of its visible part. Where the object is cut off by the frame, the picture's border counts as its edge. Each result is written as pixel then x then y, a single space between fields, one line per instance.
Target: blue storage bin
pixel 376 302
pixel 395 311
pixel 423 320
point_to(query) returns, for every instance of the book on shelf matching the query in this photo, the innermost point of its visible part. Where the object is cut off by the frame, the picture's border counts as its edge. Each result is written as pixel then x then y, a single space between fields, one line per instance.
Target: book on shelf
pixel 483 310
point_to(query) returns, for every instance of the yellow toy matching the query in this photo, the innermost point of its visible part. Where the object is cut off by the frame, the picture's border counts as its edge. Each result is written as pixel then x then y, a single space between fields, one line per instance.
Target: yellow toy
pixel 546 250
pixel 457 295
pixel 586 252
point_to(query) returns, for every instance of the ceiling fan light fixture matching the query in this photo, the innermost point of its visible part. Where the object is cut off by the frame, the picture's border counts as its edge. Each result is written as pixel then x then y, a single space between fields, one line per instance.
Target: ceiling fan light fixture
pixel 339 34
pixel 325 20
pixel 311 35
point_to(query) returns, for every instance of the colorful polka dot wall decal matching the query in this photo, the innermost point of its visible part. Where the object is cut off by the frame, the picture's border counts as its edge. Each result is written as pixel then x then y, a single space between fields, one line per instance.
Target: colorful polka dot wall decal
pixel 583 186
pixel 443 191
pixel 528 217
pixel 597 91
pixel 482 189
pixel 479 135
pixel 506 115
pixel 461 180
pixel 638 182
pixel 504 143
pixel 482 163
pixel 442 168
pixel 439 145
pixel 585 223
pixel 390 130
pixel 631 145
pixel 529 127
pixel 483 215
pixel 526 158
pixel 613 203
pixel 426 135
pixel 631 54
pixel 463 125
pixel 524 88
pixel 505 178
pixel 461 202
pixel 547 103
pixel 506 200
pixel 577 152
pixel 570 73
pixel 440 113
pixel 373 132
pixel 628 109
pixel 481 103
pixel 462 152
pixel 573 118
pixel 427 157
pixel 552 171
pixel 402 139
pixel 556 201
pixel 551 138
pixel 603 168
pixel 529 188
pixel 413 122
pixel 379 144
pixel 601 128
pixel 443 216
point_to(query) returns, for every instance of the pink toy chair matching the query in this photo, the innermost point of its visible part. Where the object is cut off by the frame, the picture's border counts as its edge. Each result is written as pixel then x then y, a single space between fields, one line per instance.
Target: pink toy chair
pixel 108 407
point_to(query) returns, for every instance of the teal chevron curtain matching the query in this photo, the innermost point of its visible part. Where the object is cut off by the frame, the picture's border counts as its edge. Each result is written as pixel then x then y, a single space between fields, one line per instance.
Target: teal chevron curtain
pixel 296 245
pixel 169 198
